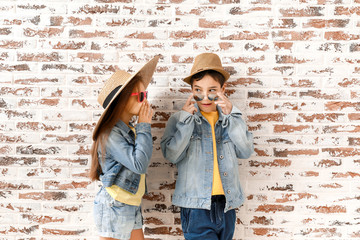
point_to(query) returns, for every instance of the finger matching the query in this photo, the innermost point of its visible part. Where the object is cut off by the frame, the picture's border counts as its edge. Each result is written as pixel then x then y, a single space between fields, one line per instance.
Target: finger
pixel 188 101
pixel 151 113
pixel 222 96
pixel 142 109
pixel 220 102
pixel 223 106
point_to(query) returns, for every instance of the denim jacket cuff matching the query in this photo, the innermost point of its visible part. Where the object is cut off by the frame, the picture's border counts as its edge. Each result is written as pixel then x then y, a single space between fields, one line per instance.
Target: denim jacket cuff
pixel 235 112
pixel 143 127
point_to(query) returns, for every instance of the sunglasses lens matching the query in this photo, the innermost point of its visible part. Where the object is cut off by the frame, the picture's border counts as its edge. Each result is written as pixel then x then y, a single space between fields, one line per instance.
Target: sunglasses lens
pixel 141 96
pixel 198 97
pixel 212 97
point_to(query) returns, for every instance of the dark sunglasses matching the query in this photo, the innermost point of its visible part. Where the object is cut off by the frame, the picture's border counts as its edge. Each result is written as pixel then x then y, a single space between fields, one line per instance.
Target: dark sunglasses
pixel 212 97
pixel 141 96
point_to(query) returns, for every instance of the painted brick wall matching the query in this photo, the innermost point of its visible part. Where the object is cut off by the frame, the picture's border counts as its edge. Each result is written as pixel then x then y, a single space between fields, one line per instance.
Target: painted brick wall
pixel 295 74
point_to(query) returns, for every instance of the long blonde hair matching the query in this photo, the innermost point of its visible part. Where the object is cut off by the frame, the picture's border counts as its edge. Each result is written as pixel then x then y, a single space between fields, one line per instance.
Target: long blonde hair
pixel 109 121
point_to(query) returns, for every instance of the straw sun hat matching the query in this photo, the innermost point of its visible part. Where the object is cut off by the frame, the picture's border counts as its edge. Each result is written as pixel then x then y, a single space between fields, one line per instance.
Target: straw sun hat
pixel 207 61
pixel 117 82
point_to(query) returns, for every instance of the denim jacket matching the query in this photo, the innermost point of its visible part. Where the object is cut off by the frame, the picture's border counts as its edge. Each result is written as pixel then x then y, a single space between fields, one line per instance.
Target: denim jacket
pixel 187 142
pixel 125 158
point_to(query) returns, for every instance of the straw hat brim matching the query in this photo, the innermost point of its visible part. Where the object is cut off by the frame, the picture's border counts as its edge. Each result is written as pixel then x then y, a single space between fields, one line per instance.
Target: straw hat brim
pixel 145 73
pixel 220 70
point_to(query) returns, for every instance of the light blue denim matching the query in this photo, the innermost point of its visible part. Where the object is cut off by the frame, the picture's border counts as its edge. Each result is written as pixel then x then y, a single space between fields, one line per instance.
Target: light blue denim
pixel 187 142
pixel 115 219
pixel 125 158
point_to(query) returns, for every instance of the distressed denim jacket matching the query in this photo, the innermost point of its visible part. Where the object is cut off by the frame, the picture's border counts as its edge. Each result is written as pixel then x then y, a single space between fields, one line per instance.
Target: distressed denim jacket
pixel 125 158
pixel 187 142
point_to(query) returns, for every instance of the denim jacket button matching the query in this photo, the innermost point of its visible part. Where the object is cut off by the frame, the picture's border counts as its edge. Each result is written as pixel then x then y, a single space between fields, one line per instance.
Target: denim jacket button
pixel 218 141
pixel 225 174
pixel 228 191
pixel 221 156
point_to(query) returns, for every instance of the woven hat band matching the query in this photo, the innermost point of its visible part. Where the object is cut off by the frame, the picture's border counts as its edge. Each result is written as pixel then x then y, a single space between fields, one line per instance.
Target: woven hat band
pixel 116 80
pixel 110 96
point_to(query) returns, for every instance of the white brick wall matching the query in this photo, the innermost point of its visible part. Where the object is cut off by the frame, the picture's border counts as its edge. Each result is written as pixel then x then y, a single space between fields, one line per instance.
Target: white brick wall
pixel 295 75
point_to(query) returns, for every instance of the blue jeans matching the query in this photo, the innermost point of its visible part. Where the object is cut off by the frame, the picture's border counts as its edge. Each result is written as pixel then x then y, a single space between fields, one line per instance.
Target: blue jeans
pixel 211 224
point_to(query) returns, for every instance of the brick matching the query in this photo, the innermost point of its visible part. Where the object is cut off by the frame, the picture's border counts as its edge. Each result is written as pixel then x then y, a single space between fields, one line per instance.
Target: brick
pixel 43 196
pixel 49 161
pixel 20 230
pixel 18 161
pixel 41 8
pixel 245 35
pixel 328 209
pixel 295 36
pixel 334 23
pixel 341 36
pixel 266 208
pixel 302 12
pixel 63 232
pixel 249 10
pixel 157 10
pixel 294 197
pixel 96 9
pixel 284 23
pixel 94 34
pixel 339 106
pixel 33 80
pixel 347 11
pixel 199 11
pixel 256 47
pixel 318 94
pixel 329 117
pixel 203 23
pixel 188 35
pixel 295 152
pixel 41 219
pixel 321 232
pixel 64 45
pixel 163 231
pixel 341 152
pixel 56 185
pixel 274 117
pixel 269 232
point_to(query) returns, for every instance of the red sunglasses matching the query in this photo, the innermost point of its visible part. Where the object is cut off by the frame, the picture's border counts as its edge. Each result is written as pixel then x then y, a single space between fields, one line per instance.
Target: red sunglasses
pixel 141 96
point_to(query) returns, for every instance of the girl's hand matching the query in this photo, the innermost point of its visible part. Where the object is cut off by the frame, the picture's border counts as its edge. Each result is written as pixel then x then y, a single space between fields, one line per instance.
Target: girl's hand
pixel 224 103
pixel 146 112
pixel 189 106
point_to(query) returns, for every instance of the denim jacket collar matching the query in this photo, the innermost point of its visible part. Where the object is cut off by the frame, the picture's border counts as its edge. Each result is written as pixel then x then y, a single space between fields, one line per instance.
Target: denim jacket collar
pixel 125 131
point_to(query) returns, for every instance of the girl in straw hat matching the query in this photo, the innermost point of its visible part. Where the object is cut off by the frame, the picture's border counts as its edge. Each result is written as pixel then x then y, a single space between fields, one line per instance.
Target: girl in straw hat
pixel 204 140
pixel 121 153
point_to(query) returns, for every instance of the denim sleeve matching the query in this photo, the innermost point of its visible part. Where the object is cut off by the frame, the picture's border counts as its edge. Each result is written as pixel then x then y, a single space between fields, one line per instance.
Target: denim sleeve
pixel 136 158
pixel 177 136
pixel 238 133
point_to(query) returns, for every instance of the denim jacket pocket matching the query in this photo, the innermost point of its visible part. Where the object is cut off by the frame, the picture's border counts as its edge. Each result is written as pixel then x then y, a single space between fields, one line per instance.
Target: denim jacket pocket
pixel 194 147
pixel 116 204
pixel 229 149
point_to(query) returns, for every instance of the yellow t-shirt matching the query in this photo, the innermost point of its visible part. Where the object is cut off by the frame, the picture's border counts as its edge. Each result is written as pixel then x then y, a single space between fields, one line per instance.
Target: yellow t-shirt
pixel 217 188
pixel 126 197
